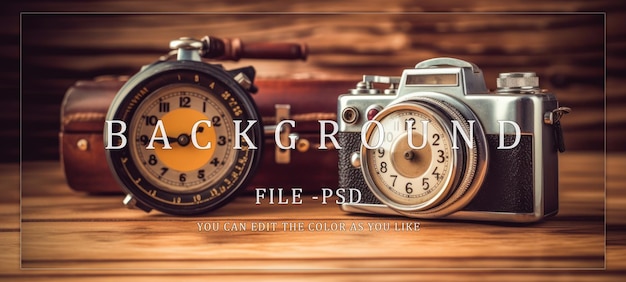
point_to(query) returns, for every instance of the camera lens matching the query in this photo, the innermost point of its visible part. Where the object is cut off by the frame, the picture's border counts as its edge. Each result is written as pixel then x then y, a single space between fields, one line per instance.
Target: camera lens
pixel 420 165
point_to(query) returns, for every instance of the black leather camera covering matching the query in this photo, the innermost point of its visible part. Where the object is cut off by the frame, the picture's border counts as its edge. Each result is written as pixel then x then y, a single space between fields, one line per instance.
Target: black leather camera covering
pixel 509 183
pixel 349 176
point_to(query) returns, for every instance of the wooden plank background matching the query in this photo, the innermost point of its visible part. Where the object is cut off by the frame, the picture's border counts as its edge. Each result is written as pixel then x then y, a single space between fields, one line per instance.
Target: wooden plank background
pixel 72 236
pixel 43 54
pixel 566 49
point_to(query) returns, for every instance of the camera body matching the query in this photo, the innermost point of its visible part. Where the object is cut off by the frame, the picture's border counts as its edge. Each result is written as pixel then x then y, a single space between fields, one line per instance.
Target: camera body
pixel 438 144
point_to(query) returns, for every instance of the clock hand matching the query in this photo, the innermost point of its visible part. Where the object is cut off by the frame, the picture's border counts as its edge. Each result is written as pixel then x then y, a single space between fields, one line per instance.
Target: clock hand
pixel 183 139
pixel 169 139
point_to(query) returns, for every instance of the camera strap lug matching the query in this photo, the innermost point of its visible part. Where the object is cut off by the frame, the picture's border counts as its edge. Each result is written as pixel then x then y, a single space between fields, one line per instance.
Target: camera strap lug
pixel 554 118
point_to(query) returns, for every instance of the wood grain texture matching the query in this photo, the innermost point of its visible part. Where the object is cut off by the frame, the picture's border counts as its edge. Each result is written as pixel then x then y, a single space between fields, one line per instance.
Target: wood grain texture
pixel 566 48
pixel 74 237
pixel 71 236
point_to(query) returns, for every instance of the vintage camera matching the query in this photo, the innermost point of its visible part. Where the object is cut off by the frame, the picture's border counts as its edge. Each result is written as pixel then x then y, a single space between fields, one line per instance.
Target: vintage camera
pixel 438 144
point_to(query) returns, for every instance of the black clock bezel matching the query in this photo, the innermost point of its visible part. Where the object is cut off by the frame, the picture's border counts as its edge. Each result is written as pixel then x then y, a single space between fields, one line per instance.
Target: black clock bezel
pixel 239 104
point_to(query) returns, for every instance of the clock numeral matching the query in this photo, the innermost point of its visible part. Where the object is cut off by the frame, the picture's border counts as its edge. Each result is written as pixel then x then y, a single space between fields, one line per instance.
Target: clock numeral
pixel 143 91
pixel 216 121
pixel 164 107
pixel 204 107
pixel 425 184
pixel 436 137
pixel 243 160
pixel 215 162
pixel 164 170
pixel 184 102
pixel 409 188
pixel 152 160
pixel 436 174
pixel 214 192
pixel 381 152
pixel 176 200
pixel 406 125
pixel 182 177
pixel 144 139
pixel 222 140
pixel 440 157
pixel 201 174
pixel 395 177
pixel 383 167
pixel 197 198
pixel 237 111
pixel 389 137
pixel 151 120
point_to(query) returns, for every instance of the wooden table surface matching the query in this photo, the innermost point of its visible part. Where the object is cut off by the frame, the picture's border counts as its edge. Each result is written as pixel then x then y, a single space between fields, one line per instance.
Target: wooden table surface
pixel 52 232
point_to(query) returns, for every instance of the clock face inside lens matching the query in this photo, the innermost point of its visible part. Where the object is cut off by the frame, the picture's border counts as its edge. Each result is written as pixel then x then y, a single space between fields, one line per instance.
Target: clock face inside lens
pixel 413 177
pixel 181 155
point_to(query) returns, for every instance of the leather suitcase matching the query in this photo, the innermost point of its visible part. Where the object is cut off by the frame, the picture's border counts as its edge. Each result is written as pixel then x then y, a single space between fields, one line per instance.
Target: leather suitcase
pixel 86 103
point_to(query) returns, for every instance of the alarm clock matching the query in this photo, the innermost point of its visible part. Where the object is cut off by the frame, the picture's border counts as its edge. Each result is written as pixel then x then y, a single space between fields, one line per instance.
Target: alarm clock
pixel 188 133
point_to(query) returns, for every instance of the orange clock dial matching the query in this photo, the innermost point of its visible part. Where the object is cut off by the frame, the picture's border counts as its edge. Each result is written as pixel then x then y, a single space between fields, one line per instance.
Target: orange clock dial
pixel 185 165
